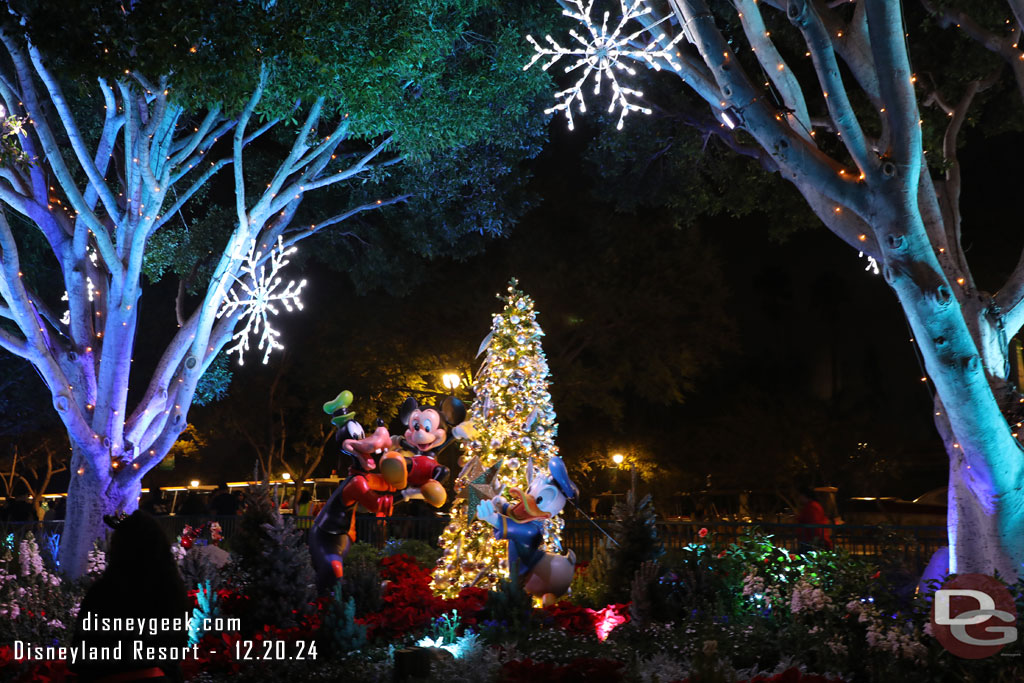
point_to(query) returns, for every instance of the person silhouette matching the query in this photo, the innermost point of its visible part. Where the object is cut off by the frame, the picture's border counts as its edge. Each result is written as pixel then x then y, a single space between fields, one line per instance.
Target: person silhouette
pixel 141 581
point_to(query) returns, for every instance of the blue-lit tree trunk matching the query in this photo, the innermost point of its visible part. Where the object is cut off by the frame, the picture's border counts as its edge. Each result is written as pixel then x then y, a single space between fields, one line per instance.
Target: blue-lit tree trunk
pixel 97 207
pixel 879 197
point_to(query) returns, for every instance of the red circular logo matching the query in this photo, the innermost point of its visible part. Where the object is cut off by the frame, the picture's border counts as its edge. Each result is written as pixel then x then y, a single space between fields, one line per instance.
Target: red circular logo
pixel 974 616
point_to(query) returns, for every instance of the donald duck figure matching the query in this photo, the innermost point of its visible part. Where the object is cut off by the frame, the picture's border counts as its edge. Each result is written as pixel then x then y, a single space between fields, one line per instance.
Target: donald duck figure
pixel 544 575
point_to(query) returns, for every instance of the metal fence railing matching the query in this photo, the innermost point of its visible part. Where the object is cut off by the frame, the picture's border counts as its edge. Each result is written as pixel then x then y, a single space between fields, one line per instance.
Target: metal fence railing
pixel 913 543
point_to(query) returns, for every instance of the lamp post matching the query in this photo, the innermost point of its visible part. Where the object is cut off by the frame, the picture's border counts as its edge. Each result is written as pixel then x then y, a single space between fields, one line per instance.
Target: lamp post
pixel 451 381
pixel 618 459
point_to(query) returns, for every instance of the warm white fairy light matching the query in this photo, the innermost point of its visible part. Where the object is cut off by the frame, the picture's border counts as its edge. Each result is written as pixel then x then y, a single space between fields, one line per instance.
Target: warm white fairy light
pixel 602 54
pixel 259 292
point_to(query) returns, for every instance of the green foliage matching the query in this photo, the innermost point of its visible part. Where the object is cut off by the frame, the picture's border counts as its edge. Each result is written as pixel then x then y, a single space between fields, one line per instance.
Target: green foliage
pixel 590 584
pixel 249 538
pixel 272 565
pixel 339 632
pixel 213 385
pixel 633 528
pixel 435 74
pixel 694 584
pixel 509 607
pixel 425 554
pixel 11 153
pixel 362 584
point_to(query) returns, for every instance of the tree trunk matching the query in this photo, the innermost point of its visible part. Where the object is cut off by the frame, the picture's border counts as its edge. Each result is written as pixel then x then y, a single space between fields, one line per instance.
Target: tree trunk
pixel 985 527
pixel 986 505
pixel 91 494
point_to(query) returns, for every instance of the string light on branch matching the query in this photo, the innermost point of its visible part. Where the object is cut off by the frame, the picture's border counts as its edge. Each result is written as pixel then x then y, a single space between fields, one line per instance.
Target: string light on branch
pixel 259 291
pixel 602 53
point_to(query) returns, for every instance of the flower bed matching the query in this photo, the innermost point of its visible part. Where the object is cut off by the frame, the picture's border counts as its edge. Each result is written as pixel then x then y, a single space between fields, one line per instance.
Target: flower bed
pixel 746 612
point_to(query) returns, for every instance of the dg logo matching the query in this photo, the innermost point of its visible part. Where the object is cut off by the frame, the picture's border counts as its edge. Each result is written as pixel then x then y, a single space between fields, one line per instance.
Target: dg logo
pixel 974 616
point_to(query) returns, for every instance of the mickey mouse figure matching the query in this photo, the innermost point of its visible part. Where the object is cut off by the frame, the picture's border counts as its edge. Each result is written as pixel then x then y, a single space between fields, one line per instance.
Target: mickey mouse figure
pixel 425 437
pixel 545 575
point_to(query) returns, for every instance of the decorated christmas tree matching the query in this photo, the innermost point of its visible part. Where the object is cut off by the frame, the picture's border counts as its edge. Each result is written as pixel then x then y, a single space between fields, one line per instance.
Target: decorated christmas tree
pixel 514 425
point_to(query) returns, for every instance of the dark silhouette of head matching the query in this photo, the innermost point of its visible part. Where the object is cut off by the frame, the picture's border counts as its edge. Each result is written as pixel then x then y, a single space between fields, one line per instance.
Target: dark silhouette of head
pixel 139 554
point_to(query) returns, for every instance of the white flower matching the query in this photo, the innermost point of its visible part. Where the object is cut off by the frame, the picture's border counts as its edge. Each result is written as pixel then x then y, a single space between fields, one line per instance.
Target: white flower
pixel 29 558
pixel 753 584
pixel 96 562
pixel 808 598
pixel 178 552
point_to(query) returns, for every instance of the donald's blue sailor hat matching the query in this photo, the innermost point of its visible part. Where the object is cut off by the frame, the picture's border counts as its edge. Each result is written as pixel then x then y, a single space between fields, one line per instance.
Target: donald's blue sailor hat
pixel 561 477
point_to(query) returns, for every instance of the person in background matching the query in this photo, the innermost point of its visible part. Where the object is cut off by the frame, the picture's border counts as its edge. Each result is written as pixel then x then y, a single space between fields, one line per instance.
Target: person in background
pixel 305 504
pixel 141 581
pixel 304 510
pixel 155 503
pixel 811 512
pixel 20 509
pixel 222 503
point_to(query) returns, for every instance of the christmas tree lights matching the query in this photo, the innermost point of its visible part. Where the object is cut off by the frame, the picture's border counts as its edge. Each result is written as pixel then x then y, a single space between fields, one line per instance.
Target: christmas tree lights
pixel 515 434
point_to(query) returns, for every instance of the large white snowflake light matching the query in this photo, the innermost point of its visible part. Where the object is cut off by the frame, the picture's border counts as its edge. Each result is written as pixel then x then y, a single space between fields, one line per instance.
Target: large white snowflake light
pixel 259 292
pixel 602 55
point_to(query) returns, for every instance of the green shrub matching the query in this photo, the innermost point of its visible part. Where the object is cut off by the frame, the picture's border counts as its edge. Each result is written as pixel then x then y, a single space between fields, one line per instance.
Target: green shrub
pixel 425 554
pixel 271 565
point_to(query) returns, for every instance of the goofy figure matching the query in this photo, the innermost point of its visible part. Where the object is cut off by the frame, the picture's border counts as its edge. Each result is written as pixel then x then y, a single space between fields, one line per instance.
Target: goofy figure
pixel 334 529
pixel 544 575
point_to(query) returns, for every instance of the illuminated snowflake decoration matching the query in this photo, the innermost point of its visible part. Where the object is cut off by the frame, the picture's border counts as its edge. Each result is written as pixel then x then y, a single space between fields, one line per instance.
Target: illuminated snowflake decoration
pixel 259 291
pixel 602 55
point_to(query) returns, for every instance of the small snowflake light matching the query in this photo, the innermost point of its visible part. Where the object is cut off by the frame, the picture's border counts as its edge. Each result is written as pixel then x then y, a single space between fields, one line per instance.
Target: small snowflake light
pixel 259 292
pixel 602 54
pixel 872 265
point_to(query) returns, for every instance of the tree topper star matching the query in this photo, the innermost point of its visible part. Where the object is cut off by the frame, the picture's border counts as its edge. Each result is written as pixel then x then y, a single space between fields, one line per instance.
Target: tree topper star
pixel 259 292
pixel 603 53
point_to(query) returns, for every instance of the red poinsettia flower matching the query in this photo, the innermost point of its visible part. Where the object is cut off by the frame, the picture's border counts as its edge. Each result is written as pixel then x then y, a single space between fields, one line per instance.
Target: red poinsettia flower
pixel 703 532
